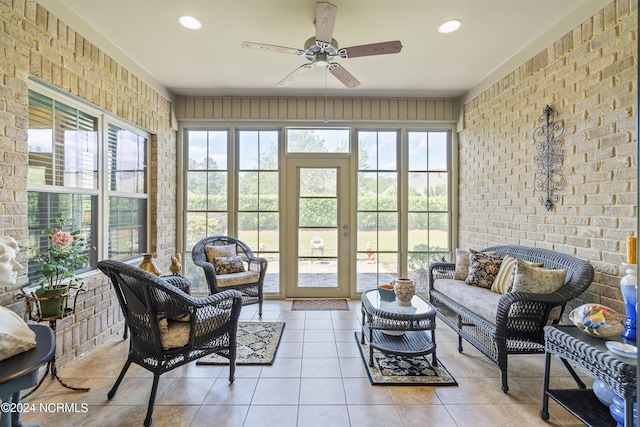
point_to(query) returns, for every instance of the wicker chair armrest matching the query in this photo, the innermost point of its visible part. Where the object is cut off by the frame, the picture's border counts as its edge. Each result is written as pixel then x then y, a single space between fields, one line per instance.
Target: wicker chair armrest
pixel 179 282
pixel 508 300
pixel 440 270
pixel 260 264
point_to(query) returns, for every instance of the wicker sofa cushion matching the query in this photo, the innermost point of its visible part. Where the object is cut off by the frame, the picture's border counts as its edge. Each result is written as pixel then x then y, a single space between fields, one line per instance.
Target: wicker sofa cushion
pixel 462 263
pixel 235 279
pixel 504 278
pixel 537 280
pixel 480 301
pixel 483 269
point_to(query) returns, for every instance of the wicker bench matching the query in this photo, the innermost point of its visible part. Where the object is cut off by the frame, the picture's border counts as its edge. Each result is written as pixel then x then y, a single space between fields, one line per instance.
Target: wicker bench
pixel 519 317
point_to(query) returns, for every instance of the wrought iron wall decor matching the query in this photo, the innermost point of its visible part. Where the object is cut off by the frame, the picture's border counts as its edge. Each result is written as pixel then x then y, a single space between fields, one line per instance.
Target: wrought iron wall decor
pixel 549 177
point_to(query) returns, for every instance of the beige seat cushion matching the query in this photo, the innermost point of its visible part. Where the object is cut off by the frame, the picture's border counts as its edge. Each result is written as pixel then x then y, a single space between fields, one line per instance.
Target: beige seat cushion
pixel 176 335
pixel 235 279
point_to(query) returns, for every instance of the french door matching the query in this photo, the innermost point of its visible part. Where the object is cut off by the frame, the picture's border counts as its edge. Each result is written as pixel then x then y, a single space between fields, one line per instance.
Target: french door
pixel 318 230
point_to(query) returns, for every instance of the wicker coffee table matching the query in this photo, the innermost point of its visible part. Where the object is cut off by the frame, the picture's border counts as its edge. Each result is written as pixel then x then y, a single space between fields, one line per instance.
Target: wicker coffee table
pixel 405 331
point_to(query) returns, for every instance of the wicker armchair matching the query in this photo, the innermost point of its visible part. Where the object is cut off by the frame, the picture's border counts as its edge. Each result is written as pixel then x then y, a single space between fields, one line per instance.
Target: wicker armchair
pixel 169 328
pixel 249 283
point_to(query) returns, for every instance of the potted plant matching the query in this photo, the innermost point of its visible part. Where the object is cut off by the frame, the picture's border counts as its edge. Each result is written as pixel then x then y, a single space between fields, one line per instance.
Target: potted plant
pixel 67 251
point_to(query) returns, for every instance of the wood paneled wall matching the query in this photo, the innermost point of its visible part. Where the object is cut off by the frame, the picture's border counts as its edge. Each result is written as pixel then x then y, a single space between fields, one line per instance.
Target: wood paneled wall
pixel 281 108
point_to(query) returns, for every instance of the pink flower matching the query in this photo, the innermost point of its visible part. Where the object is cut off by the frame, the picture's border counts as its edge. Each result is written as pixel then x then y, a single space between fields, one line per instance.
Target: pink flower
pixel 61 238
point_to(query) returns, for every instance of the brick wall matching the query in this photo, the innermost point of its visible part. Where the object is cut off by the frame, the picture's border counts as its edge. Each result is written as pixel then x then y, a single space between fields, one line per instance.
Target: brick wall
pixel 590 77
pixel 35 43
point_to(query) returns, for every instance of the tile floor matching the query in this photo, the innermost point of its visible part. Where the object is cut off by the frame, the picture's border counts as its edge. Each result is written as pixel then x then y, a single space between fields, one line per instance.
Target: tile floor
pixel 318 379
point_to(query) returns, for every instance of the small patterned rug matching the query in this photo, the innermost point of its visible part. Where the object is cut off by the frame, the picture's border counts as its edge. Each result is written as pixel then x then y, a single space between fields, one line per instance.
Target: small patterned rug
pixel 320 304
pixel 390 369
pixel 257 345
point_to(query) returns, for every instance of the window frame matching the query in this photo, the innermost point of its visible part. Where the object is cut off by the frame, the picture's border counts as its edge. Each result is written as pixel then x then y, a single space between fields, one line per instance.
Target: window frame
pixel 103 118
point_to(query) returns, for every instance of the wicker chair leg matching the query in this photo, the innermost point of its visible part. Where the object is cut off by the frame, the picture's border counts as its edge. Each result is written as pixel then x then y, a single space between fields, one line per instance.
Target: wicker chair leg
pixel 502 364
pixel 152 400
pixel 113 390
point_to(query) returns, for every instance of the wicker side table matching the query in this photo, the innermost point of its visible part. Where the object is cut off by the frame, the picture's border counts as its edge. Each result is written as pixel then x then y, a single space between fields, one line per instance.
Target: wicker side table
pixel 406 331
pixel 591 354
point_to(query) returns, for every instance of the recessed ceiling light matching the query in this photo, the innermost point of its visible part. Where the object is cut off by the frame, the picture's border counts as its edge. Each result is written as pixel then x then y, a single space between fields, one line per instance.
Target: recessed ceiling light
pixel 190 22
pixel 449 26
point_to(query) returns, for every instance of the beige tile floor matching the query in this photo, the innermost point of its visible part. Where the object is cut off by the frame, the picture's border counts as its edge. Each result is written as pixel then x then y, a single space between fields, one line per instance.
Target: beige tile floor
pixel 318 379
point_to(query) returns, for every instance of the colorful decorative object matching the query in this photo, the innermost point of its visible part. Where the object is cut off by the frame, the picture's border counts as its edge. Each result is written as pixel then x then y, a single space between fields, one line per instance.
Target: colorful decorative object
pixel 387 292
pixel 597 320
pixel 629 288
pixel 404 290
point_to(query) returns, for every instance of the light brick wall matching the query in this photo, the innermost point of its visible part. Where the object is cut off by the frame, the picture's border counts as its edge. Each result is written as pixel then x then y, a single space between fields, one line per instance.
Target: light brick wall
pixel 590 77
pixel 35 43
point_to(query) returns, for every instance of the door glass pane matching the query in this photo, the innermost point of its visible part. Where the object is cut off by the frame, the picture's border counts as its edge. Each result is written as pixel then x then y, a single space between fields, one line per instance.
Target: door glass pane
pixel 318 228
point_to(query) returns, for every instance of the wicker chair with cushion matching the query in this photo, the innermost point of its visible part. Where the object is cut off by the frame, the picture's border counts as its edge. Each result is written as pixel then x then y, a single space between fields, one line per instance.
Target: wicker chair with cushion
pixel 170 328
pixel 229 263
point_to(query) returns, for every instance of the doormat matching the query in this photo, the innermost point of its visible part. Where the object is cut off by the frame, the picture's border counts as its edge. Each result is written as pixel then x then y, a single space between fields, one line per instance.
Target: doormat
pixel 320 304
pixel 257 345
pixel 390 369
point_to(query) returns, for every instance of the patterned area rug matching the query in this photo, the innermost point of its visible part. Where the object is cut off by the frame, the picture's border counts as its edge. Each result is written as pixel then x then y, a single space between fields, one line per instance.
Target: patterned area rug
pixel 257 344
pixel 320 304
pixel 389 369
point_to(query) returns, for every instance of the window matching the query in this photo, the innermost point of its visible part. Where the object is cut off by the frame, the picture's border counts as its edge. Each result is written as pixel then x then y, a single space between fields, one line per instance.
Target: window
pixel 428 202
pixel 65 146
pixel 258 198
pixel 377 208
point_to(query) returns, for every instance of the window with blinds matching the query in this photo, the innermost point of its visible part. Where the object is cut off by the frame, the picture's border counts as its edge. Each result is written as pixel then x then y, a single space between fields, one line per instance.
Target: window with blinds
pixel 65 167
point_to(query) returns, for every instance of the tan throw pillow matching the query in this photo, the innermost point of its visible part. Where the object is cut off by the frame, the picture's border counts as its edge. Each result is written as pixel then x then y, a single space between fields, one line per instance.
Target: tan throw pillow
pixel 220 251
pixel 228 265
pixel 527 278
pixel 501 282
pixel 483 269
pixel 504 278
pixel 462 264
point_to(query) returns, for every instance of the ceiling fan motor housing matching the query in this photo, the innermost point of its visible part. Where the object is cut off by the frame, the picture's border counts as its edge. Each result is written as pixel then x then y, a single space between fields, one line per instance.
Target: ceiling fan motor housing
pixel 320 52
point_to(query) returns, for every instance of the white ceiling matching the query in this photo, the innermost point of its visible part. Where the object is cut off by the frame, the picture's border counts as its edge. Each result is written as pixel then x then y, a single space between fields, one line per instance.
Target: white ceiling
pixel 145 36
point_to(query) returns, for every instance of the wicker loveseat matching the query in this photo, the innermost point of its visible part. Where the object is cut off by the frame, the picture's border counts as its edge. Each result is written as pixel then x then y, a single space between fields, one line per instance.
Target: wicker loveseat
pixel 517 326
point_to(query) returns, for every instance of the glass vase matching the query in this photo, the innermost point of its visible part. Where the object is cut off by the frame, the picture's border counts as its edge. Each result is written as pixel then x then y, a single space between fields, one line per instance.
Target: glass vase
pixel 629 288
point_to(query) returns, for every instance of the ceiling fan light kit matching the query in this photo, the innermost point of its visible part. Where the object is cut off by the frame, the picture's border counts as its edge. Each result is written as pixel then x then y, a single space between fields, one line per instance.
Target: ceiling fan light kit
pixel 322 49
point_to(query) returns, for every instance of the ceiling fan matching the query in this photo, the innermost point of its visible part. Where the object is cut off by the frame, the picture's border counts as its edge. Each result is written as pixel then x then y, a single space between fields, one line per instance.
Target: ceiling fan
pixel 322 49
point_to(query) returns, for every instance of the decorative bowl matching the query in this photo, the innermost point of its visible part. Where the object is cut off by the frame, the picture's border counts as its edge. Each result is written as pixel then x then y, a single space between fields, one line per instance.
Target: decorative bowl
pixel 598 320
pixel 387 293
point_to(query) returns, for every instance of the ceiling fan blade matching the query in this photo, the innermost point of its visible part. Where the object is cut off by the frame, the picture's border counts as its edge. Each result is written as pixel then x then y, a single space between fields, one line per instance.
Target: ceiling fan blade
pixel 343 75
pixel 382 48
pixel 325 20
pixel 273 48
pixel 291 77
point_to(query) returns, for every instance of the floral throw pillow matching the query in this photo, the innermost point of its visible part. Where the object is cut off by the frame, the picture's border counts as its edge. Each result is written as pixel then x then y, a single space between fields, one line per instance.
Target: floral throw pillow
pixel 228 265
pixel 483 269
pixel 527 278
